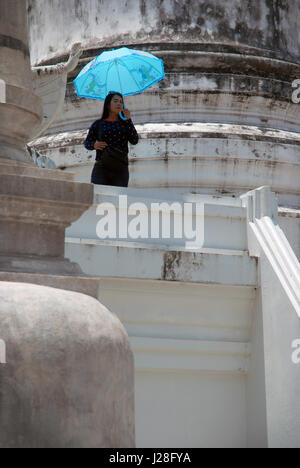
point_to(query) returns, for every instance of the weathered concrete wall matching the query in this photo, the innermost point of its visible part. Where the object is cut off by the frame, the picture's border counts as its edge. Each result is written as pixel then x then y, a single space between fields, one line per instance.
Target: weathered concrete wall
pixel 268 25
pixel 225 159
pixel 227 63
pixel 253 39
pixel 20 109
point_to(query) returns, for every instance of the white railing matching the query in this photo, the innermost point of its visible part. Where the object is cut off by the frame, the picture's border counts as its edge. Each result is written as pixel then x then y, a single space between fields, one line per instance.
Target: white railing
pixel 264 234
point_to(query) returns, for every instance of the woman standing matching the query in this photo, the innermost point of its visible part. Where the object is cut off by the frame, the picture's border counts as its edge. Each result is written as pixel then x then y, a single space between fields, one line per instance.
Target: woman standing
pixel 111 131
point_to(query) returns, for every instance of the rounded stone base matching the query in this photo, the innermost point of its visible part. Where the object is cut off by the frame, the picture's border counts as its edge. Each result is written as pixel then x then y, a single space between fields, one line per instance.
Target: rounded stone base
pixel 69 374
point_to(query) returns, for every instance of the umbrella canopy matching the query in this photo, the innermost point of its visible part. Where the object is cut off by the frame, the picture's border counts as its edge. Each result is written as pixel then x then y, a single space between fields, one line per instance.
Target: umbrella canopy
pixel 123 70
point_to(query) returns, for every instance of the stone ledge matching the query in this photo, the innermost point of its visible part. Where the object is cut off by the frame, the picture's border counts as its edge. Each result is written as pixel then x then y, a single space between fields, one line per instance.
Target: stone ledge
pixel 185 46
pixel 214 58
pixel 41 265
pixel 32 210
pixel 65 191
pixel 178 130
pixel 99 258
pixel 11 167
pixel 85 285
pixel 288 212
pixel 159 246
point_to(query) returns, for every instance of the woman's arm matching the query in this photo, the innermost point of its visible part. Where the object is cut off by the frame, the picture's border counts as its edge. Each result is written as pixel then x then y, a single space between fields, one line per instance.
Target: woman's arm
pixel 91 137
pixel 132 134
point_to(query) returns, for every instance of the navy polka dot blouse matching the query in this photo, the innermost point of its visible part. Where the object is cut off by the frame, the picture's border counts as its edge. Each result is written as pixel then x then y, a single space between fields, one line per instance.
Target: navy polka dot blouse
pixel 115 134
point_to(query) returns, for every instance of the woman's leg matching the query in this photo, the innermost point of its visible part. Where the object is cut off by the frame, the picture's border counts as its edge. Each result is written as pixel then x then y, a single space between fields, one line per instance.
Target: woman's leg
pixel 121 179
pixel 100 176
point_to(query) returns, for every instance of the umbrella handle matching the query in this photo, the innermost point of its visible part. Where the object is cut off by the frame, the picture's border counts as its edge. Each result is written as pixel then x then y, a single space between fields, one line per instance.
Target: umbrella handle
pixel 122 116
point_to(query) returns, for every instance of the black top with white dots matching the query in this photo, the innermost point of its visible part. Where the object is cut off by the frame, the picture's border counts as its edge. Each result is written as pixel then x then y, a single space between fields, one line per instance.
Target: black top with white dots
pixel 116 134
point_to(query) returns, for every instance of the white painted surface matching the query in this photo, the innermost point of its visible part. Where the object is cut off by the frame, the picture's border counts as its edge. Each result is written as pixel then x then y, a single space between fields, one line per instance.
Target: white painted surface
pixel 99 258
pixel 193 223
pixel 189 355
pixel 180 310
pixel 190 359
pixel 205 343
pixel 274 379
pixel 223 219
pixel 257 434
pixel 265 236
pixel 282 376
pixel 190 410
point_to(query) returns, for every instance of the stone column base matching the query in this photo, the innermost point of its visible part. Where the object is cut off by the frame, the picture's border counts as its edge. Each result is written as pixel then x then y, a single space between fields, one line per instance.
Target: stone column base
pixel 83 284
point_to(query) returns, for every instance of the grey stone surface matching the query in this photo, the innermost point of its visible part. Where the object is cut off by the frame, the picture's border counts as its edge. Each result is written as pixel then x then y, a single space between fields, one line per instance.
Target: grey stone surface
pixel 211 23
pixel 68 377
pixel 36 207
pixel 21 112
pixel 68 380
pixel 76 282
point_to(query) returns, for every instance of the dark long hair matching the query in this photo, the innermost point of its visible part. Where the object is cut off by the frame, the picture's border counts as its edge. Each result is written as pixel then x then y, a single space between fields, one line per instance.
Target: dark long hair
pixel 107 102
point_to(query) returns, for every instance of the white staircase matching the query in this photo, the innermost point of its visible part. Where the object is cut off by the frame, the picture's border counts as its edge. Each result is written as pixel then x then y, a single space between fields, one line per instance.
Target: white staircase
pixel 203 317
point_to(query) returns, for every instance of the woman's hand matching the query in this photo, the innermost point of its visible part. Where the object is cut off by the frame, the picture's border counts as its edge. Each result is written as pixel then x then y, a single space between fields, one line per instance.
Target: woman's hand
pixel 100 145
pixel 127 113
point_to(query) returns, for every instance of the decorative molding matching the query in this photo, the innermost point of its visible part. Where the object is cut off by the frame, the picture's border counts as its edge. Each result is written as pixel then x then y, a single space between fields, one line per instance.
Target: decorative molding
pixel 49 83
pixel 161 354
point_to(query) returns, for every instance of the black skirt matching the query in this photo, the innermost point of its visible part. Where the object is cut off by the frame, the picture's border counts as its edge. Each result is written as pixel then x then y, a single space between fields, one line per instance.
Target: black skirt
pixel 101 176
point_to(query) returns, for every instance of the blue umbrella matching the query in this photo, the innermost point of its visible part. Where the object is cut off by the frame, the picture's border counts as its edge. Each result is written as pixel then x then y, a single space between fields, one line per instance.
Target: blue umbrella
pixel 123 70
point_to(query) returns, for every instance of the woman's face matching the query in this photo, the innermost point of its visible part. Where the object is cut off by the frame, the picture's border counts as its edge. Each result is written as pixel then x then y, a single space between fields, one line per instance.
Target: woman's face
pixel 116 104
